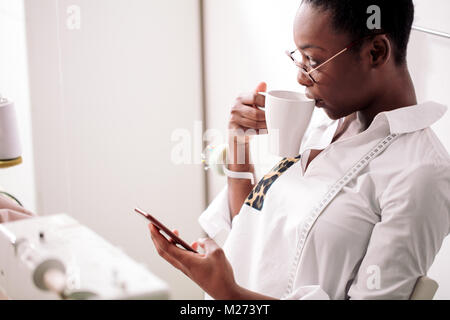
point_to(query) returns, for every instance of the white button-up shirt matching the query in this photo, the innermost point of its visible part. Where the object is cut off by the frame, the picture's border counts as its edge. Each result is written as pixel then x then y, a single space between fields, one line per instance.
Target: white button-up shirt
pixel 373 241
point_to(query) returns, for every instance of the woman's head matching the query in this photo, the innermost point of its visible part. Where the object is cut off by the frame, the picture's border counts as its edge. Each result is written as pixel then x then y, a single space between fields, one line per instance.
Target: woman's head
pixel 353 79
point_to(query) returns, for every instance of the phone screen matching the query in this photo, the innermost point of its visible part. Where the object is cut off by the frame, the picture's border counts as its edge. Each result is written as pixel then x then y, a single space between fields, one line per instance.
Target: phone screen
pixel 166 230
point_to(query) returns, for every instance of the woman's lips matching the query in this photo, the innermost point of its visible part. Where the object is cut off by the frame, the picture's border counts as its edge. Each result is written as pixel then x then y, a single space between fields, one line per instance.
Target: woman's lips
pixel 318 102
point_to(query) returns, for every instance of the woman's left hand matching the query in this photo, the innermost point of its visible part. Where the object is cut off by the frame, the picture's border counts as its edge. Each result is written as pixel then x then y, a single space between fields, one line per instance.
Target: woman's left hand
pixel 211 270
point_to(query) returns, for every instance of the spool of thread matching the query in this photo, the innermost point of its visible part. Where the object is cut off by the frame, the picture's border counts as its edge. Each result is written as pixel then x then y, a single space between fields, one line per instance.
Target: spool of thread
pixel 10 148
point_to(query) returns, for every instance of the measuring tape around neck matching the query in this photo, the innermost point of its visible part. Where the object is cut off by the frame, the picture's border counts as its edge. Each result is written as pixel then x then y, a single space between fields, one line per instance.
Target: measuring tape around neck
pixel 329 196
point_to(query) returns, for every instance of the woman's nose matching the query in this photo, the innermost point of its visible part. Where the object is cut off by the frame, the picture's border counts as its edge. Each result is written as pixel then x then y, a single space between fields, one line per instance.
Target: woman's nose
pixel 303 78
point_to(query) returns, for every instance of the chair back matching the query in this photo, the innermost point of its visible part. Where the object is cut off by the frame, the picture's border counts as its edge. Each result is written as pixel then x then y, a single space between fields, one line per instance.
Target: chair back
pixel 424 289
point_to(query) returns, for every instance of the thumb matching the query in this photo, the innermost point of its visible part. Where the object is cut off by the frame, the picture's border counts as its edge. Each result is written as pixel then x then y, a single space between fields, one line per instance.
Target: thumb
pixel 262 87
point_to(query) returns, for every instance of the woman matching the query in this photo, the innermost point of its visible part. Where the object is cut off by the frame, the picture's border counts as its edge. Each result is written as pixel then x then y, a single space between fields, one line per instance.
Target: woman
pixel 383 229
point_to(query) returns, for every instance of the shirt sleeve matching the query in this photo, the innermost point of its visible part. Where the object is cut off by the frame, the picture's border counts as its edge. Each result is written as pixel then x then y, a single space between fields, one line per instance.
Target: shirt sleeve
pixel 217 218
pixel 414 222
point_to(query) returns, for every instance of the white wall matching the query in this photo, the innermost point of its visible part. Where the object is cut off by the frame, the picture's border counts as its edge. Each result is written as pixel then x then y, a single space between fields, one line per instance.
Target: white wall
pixel 18 180
pixel 245 41
pixel 432 14
pixel 106 99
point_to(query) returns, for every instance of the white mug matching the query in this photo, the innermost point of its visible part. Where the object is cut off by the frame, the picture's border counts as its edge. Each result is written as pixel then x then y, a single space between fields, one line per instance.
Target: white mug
pixel 288 115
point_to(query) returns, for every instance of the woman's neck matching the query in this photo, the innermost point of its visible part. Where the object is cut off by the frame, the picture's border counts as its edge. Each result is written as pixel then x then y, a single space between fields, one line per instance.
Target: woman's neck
pixel 396 92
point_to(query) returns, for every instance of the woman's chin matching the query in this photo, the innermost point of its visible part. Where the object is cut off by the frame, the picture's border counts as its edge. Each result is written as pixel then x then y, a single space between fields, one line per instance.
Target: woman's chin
pixel 332 115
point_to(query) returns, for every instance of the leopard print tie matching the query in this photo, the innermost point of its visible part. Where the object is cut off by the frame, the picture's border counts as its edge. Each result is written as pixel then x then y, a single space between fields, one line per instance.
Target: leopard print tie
pixel 256 197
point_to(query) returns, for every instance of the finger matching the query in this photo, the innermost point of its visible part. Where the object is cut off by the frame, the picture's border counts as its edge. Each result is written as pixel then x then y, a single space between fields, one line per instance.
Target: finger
pixel 248 123
pixel 250 113
pixel 200 246
pixel 177 233
pixel 181 255
pixel 194 245
pixel 157 239
pixel 252 99
pixel 162 244
pixel 164 249
pixel 260 99
pixel 262 87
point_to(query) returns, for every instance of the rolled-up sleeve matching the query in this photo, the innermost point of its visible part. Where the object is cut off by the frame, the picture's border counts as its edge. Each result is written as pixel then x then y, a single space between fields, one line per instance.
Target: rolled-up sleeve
pixel 415 219
pixel 216 218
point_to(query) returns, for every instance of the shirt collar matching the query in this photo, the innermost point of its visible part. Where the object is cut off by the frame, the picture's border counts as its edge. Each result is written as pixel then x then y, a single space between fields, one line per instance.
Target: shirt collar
pixel 410 119
pixel 402 120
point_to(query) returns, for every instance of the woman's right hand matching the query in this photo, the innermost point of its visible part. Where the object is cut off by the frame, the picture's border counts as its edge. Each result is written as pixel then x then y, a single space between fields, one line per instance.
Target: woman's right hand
pixel 246 118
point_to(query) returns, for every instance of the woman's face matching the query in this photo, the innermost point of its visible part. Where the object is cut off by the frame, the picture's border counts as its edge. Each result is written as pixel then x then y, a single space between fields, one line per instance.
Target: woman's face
pixel 345 84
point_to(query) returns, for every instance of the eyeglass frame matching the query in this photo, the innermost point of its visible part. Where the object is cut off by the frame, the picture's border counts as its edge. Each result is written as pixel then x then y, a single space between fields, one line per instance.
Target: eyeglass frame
pixel 348 47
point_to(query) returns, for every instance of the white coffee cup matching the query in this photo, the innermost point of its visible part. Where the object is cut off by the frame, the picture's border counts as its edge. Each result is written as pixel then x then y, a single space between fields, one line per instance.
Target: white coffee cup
pixel 288 115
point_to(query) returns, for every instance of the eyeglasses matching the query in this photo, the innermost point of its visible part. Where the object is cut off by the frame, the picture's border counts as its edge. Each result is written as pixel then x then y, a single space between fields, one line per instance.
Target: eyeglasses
pixel 297 57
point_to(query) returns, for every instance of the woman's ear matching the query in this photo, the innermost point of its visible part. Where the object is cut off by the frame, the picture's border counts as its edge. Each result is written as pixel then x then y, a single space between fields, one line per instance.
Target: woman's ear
pixel 380 51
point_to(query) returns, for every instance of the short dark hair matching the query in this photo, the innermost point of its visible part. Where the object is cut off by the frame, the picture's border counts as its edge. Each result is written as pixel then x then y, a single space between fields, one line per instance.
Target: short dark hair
pixel 351 16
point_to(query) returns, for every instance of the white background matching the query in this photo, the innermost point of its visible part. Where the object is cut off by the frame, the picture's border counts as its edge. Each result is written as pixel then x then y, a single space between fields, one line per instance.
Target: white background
pixel 432 14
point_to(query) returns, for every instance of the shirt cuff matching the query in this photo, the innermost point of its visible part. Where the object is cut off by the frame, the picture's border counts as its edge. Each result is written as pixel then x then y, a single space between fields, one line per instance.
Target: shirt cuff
pixel 216 217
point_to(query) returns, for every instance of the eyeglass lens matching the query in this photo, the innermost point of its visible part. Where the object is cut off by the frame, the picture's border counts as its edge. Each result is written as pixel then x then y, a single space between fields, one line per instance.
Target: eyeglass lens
pixel 302 64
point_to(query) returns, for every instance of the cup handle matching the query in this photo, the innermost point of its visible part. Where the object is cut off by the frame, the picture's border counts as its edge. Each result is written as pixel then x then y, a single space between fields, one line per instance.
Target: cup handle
pixel 265 95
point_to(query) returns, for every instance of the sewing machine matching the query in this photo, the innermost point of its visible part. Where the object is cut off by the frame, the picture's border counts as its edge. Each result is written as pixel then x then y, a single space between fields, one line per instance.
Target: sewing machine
pixel 55 257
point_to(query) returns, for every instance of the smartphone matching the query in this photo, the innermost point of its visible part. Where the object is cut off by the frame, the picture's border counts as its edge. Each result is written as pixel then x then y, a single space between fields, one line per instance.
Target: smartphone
pixel 166 230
